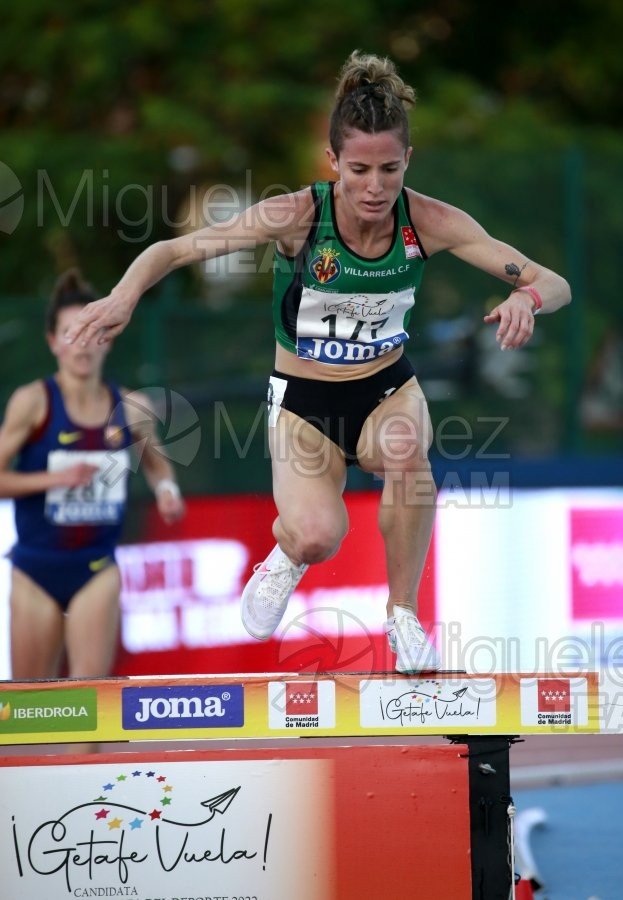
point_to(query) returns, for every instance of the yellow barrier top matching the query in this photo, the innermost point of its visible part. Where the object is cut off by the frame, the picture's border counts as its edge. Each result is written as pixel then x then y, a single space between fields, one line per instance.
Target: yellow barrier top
pixel 277 705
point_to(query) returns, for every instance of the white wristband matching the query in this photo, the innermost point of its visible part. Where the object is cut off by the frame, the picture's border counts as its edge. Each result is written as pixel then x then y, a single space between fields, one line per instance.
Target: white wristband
pixel 167 484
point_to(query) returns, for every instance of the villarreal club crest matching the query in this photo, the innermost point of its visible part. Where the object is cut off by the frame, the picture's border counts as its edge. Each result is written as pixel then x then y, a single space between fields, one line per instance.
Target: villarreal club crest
pixel 325 267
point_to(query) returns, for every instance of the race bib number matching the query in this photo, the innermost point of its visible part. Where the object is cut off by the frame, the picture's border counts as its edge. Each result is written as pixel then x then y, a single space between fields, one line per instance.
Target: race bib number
pixel 101 501
pixel 351 328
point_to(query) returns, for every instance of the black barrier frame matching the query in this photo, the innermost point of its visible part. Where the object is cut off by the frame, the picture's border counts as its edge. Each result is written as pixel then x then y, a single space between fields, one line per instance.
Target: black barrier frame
pixel 489 802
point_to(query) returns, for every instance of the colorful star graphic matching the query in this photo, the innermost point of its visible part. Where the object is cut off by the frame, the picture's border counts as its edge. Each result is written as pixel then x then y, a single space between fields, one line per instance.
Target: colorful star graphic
pixel 103 812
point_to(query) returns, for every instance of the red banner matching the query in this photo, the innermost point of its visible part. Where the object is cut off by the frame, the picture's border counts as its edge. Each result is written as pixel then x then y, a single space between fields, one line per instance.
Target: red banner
pixel 182 588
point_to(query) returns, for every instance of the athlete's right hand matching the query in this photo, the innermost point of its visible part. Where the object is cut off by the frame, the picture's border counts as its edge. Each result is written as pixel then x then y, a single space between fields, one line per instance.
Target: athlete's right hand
pixel 102 320
pixel 77 475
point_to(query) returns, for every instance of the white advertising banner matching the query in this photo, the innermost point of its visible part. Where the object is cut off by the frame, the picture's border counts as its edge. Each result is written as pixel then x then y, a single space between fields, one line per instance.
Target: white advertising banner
pixel 428 703
pixel 534 586
pixel 168 831
pixel 260 824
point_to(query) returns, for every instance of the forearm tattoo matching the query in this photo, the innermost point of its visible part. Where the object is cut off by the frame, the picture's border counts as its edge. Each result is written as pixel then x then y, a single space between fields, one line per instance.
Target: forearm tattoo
pixel 513 271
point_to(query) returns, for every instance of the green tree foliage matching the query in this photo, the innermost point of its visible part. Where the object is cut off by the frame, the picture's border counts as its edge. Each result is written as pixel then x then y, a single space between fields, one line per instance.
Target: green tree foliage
pixel 115 118
pixel 111 112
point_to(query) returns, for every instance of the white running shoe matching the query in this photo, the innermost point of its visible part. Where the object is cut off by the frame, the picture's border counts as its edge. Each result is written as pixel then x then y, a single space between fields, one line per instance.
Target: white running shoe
pixel 266 595
pixel 414 652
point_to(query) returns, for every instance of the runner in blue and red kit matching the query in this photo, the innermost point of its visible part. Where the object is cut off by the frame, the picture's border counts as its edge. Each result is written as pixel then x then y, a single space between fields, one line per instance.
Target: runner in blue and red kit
pixel 68 534
pixel 70 435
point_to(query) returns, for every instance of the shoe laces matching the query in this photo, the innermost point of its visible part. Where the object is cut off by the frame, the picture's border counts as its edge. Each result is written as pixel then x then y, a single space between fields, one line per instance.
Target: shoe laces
pixel 410 631
pixel 272 591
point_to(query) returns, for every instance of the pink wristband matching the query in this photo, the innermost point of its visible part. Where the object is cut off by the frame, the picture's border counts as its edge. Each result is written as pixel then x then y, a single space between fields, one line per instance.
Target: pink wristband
pixel 538 303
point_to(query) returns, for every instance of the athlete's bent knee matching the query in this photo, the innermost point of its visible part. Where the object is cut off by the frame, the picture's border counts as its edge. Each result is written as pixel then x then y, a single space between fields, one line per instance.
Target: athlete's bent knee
pixel 318 541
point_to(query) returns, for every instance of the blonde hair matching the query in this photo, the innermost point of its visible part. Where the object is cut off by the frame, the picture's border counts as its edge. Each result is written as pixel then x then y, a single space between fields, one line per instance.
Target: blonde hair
pixel 371 97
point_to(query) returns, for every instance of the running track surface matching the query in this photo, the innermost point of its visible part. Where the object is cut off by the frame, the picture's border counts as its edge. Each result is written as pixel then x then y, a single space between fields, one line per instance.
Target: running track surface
pixel 578 850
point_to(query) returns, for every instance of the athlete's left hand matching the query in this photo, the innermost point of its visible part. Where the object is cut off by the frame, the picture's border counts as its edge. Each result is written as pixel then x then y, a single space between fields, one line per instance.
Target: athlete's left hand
pixel 100 321
pixel 515 320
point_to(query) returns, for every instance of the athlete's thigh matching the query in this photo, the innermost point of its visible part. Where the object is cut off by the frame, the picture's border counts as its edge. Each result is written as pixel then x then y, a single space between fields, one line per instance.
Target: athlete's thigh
pixel 309 472
pixel 37 629
pixel 92 625
pixel 398 432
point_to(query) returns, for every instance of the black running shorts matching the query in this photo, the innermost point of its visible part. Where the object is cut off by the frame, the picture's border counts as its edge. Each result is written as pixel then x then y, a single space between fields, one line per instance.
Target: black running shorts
pixel 338 409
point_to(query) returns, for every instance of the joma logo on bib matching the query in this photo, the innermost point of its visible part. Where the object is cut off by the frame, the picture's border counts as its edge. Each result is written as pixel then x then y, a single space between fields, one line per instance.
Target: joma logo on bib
pixel 334 350
pixel 200 706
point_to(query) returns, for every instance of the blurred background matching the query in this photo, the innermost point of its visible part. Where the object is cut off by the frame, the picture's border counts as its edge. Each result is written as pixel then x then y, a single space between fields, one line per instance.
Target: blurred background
pixel 123 124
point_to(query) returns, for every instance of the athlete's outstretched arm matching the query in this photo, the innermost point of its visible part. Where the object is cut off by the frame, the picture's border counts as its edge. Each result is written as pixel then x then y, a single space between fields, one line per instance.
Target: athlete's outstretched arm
pixel 534 287
pixel 276 218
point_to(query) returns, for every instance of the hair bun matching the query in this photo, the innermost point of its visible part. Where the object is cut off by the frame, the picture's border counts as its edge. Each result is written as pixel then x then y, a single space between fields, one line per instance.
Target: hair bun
pixel 371 97
pixel 71 284
pixel 374 74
